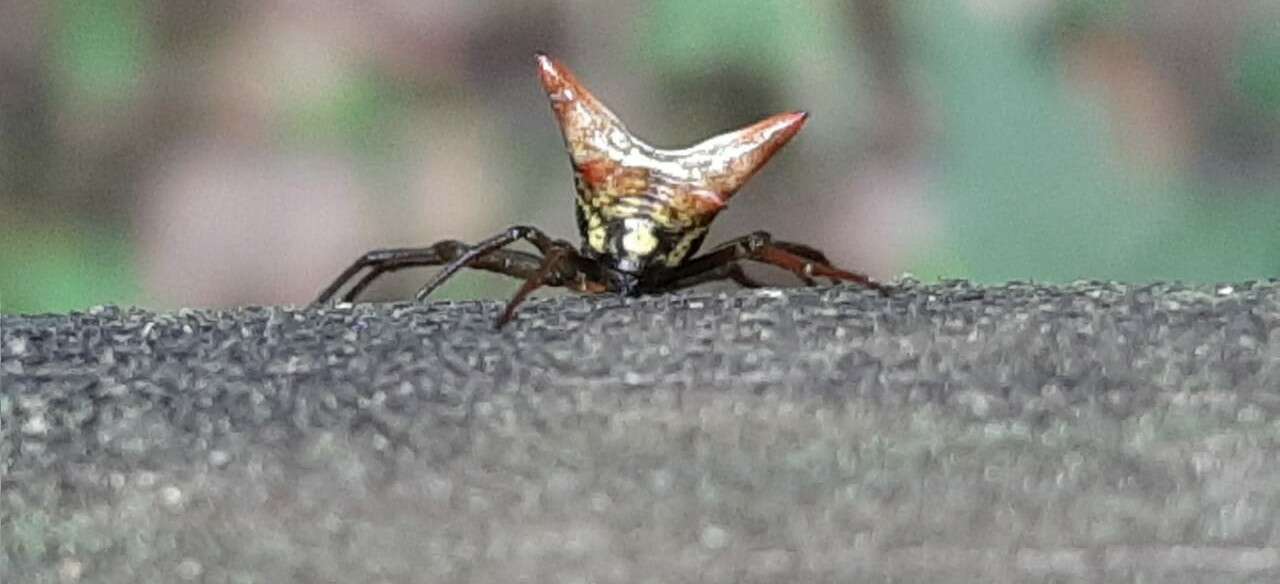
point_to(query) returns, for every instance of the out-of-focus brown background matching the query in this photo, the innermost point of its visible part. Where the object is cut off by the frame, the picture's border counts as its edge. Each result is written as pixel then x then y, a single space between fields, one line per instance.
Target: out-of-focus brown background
pixel 191 153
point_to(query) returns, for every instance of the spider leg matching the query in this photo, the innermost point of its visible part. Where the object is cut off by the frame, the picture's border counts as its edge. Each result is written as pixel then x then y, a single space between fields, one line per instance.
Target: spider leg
pixel 516 264
pixel 549 273
pixel 533 235
pixel 380 260
pixel 799 259
pixel 808 253
pixel 806 268
pixel 803 251
pixel 798 249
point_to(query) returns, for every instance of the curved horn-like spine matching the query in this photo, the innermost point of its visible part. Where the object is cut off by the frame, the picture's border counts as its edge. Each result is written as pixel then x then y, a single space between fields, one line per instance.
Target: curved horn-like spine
pixel 728 160
pixel 590 130
pixel 611 162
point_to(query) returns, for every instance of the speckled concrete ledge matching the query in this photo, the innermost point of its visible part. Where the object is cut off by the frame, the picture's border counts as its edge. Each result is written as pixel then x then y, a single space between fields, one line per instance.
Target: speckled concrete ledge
pixel 951 433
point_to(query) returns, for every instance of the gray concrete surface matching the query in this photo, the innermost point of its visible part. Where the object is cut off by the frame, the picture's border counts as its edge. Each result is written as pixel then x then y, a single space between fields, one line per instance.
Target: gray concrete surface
pixel 951 433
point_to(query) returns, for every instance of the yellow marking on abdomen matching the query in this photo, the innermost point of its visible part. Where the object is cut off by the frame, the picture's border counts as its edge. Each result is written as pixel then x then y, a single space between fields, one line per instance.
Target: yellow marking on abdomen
pixel 682 249
pixel 638 238
pixel 595 231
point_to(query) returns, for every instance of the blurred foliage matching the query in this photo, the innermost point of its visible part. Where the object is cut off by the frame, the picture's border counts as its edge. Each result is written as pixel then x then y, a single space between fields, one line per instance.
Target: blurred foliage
pixel 355 115
pixel 1028 184
pixel 1079 15
pixel 100 49
pixel 1028 194
pixel 50 268
pixel 1258 68
pixel 690 37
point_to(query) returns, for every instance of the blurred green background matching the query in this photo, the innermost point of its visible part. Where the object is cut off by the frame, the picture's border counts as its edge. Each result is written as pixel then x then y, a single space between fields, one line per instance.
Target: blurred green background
pixel 193 153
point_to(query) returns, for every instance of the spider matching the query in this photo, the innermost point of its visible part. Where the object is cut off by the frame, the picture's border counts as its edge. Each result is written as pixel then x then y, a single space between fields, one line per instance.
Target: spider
pixel 642 212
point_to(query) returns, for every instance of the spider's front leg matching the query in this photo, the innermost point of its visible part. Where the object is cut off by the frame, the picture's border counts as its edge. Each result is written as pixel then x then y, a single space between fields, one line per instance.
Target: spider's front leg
pixel 561 267
pixel 378 262
pixel 723 262
pixel 533 235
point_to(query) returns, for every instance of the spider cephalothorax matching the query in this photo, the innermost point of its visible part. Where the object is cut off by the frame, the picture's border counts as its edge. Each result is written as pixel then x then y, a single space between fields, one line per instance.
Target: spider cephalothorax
pixel 642 213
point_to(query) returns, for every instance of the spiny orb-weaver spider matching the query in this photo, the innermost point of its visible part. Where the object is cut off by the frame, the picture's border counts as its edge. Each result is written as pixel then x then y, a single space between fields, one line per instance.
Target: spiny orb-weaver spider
pixel 642 213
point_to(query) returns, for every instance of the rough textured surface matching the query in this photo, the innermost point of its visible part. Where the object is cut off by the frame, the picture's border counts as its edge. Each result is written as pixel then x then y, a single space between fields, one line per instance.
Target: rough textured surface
pixel 952 433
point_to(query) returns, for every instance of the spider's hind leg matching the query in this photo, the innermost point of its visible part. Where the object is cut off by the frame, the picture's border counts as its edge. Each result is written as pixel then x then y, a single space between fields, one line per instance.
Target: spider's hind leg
pixel 802 250
pixel 805 262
